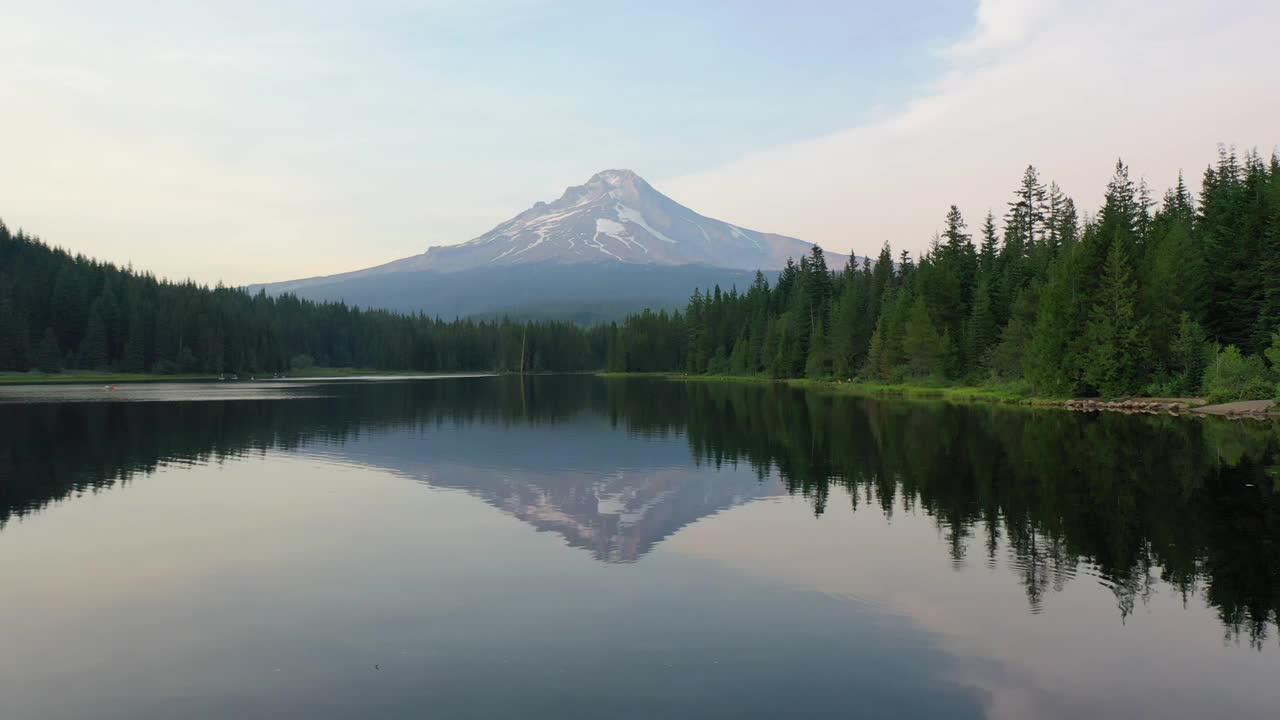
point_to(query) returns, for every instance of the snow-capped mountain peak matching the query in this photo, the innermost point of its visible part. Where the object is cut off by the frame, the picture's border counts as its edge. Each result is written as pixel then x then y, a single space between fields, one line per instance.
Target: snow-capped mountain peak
pixel 610 245
pixel 616 217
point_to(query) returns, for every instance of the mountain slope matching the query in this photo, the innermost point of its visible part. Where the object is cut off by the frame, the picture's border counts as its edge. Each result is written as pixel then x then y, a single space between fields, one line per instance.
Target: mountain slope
pixel 539 291
pixel 617 216
pixel 613 240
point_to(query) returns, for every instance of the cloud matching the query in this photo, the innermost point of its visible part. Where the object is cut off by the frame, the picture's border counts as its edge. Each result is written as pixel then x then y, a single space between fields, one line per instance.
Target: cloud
pixel 1068 87
pixel 216 142
pixel 206 142
pixel 1003 25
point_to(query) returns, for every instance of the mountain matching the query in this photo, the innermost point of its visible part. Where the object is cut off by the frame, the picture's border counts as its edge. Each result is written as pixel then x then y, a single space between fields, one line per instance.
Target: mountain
pixel 539 291
pixel 604 248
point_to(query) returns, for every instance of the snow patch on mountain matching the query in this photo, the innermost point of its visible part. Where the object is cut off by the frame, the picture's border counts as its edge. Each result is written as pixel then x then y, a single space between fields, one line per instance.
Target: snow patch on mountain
pixel 633 216
pixel 609 227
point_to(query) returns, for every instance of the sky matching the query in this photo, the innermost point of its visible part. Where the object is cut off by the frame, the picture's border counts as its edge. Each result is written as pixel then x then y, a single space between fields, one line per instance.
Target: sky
pixel 245 142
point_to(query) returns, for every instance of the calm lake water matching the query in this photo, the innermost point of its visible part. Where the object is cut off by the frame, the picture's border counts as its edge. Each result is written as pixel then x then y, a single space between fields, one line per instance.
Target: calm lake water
pixel 573 547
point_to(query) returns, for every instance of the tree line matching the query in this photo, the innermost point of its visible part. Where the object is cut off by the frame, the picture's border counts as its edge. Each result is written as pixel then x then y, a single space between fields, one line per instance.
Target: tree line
pixel 1167 298
pixel 59 311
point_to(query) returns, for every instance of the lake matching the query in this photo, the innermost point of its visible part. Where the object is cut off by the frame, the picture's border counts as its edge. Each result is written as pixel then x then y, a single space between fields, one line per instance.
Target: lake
pixel 579 547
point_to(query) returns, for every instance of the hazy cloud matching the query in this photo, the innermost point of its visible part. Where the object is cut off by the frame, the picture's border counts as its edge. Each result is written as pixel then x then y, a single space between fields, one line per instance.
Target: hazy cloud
pixel 257 141
pixel 1068 87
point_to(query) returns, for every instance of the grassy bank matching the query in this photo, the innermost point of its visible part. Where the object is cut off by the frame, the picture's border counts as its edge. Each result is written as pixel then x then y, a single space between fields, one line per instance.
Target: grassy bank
pixel 1007 394
pixel 1010 394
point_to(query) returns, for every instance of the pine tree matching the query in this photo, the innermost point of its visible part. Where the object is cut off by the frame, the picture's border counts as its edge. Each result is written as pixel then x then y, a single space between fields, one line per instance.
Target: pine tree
pixel 698 341
pixel 1116 340
pixel 846 341
pixel 69 306
pixel 1021 259
pixel 949 286
pixel 93 354
pixel 878 365
pixel 818 365
pixel 981 330
pixel 769 361
pixel 48 357
pixel 109 310
pixel 904 263
pixel 989 250
pixel 135 359
pixel 1173 272
pixel 1050 364
pixel 1269 264
pixel 14 340
pixel 1120 216
pixel 758 300
pixel 921 343
pixel 818 288
pixel 793 344
pixel 615 354
pixel 1011 355
pixel 1228 227
pixel 1026 218
pixel 739 359
pixel 1190 353
pixel 955 235
pixel 1066 224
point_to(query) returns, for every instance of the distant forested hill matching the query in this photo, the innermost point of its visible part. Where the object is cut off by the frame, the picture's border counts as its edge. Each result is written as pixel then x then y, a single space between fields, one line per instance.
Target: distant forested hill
pixel 59 311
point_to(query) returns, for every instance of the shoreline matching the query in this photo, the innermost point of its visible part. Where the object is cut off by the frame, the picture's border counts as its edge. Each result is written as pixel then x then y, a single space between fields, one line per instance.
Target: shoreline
pixel 958 393
pixel 72 377
pixel 975 394
pixel 1257 409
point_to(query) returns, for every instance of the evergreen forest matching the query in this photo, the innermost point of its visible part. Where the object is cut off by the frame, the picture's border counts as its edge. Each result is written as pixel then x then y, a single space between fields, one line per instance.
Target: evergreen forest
pixel 59 311
pixel 1168 298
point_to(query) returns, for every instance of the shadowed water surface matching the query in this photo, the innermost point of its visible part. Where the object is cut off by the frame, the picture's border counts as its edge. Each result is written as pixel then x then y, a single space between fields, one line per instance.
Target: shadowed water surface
pixel 577 547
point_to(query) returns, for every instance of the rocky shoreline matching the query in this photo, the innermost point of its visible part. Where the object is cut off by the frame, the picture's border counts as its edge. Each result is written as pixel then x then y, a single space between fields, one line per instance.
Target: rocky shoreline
pixel 1244 409
pixel 1149 407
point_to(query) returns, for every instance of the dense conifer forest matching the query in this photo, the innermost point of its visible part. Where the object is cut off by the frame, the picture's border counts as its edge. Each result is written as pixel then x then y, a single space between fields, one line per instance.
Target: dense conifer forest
pixel 59 311
pixel 1174 297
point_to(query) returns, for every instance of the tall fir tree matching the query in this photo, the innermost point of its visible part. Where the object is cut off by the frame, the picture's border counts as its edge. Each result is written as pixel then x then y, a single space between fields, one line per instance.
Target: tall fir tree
pixel 1117 350
pixel 990 248
pixel 980 330
pixel 48 356
pixel 1269 262
pixel 818 364
pixel 879 366
pixel 1190 353
pixel 14 336
pixel 94 353
pixel 921 344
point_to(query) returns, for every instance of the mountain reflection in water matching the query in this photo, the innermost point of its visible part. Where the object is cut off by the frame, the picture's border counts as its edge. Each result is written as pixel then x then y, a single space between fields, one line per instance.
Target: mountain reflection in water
pixel 1128 502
